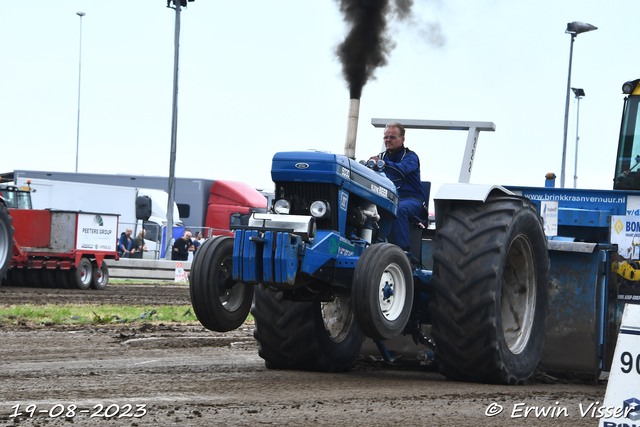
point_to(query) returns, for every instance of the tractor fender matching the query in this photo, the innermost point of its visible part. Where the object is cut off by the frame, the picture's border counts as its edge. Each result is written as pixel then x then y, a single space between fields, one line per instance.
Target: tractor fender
pixel 448 193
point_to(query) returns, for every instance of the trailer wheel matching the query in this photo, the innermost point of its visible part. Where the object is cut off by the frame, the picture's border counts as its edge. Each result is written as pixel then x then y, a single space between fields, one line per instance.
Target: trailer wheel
pixel 382 291
pixel 83 274
pixel 491 299
pixel 309 336
pixel 220 303
pixel 100 277
pixel 6 240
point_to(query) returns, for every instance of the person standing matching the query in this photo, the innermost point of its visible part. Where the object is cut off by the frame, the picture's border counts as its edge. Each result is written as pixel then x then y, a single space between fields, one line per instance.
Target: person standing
pixel 197 241
pixel 411 194
pixel 182 246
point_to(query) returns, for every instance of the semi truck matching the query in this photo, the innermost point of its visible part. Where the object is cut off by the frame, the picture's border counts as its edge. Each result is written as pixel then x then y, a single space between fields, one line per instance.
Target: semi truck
pixel 496 293
pixel 123 201
pixel 213 206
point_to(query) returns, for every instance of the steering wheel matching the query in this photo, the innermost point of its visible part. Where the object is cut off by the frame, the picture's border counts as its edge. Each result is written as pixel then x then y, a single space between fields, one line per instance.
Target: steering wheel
pixel 372 164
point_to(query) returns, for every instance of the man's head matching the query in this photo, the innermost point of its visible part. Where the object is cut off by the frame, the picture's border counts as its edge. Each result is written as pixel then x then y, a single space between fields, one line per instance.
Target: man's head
pixel 394 138
pixel 142 232
pixel 129 232
pixel 187 235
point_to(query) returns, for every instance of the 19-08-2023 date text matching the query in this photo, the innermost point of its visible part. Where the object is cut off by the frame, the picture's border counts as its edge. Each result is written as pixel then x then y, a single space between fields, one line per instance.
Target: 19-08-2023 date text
pixel 69 411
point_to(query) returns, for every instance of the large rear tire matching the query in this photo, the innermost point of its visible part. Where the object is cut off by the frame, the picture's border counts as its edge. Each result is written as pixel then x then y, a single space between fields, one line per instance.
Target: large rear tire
pixel 308 336
pixel 491 299
pixel 220 303
pixel 382 291
pixel 6 240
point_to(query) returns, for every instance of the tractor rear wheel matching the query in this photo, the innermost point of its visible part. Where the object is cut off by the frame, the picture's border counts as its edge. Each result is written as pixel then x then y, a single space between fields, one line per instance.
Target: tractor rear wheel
pixel 491 291
pixel 308 336
pixel 6 240
pixel 382 291
pixel 220 303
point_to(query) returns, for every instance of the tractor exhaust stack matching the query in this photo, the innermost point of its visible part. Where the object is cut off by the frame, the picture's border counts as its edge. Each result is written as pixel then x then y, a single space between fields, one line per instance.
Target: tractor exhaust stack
pixel 352 128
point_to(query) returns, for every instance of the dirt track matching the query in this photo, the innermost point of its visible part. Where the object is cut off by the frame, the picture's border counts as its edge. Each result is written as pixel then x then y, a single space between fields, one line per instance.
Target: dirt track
pixel 187 375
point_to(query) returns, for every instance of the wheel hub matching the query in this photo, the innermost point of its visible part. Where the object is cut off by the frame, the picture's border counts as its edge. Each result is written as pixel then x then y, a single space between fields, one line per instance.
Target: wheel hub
pixel 387 292
pixel 337 317
pixel 230 292
pixel 518 299
pixel 391 292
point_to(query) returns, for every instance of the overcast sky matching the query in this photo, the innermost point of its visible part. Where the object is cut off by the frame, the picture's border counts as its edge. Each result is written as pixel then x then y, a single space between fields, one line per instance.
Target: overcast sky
pixel 257 77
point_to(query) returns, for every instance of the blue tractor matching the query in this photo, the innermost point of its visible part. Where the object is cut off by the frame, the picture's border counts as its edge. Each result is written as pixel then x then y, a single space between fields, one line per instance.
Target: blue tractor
pixel 323 275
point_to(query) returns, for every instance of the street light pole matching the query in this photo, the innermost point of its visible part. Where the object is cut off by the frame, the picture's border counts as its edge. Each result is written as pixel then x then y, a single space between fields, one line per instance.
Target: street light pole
pixel 80 14
pixel 573 28
pixel 579 93
pixel 174 128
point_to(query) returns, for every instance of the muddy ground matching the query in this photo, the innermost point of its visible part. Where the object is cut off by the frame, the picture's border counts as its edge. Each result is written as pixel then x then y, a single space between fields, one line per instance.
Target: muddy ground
pixel 182 374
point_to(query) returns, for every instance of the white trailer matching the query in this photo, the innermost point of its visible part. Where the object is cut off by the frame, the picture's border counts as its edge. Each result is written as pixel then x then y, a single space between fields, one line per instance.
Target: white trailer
pixel 108 199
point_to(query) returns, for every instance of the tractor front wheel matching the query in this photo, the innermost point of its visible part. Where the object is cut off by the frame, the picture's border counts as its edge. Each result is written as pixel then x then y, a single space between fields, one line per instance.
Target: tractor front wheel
pixel 491 291
pixel 382 291
pixel 220 303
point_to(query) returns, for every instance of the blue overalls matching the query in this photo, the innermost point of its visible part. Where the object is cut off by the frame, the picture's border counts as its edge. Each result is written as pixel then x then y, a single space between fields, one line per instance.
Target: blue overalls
pixel 411 193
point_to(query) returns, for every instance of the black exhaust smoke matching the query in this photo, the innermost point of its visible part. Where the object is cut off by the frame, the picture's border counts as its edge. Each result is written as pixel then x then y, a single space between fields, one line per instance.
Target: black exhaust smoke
pixel 365 48
pixel 367 44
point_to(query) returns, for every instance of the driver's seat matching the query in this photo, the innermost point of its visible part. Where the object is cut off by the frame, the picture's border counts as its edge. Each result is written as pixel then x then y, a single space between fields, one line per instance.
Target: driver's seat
pixel 416 225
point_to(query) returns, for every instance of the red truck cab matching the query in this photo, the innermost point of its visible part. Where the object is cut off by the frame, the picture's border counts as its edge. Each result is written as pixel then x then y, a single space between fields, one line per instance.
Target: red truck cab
pixel 231 203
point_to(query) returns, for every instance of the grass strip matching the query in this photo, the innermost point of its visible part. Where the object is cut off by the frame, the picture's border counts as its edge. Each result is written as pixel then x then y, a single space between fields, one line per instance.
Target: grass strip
pixel 89 313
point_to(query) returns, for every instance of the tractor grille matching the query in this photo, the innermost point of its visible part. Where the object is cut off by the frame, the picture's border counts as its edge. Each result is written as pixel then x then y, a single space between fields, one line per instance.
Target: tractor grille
pixel 302 194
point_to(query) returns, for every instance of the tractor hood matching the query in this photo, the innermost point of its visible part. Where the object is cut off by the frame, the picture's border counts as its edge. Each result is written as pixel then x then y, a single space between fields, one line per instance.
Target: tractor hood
pixel 349 175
